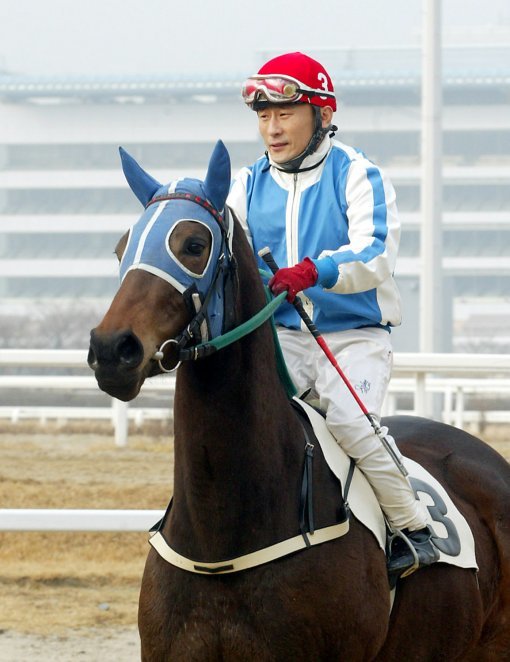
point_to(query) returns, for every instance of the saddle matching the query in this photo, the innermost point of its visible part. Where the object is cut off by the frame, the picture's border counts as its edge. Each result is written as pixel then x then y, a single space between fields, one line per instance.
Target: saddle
pixel 451 532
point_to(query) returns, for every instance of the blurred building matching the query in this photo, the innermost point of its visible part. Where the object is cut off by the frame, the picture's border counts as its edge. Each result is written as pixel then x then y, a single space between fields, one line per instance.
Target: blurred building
pixel 64 202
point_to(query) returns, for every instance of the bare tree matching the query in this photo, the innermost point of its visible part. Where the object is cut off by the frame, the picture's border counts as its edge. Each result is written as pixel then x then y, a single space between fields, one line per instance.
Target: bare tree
pixel 55 325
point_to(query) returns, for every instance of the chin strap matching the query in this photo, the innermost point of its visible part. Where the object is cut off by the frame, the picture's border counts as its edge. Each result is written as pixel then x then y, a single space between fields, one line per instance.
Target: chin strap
pixel 294 165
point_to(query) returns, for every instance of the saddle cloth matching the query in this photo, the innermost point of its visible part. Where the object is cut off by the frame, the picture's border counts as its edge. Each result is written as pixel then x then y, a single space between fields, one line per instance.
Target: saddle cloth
pixel 452 535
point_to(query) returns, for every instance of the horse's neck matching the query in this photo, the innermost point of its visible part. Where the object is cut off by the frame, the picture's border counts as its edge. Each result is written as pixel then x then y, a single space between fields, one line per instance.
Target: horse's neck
pixel 234 435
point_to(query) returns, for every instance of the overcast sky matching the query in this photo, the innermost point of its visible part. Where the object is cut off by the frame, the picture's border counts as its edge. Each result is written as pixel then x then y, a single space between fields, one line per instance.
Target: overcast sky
pixel 101 37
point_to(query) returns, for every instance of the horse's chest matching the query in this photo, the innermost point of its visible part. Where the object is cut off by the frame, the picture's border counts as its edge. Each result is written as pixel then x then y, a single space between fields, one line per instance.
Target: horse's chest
pixel 275 613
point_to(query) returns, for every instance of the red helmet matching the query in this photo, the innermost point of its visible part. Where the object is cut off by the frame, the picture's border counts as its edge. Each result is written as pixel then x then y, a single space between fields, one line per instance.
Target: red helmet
pixel 291 78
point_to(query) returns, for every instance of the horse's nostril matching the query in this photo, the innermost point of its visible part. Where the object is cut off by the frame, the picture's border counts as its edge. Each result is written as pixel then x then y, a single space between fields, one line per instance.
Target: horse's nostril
pixel 114 350
pixel 129 350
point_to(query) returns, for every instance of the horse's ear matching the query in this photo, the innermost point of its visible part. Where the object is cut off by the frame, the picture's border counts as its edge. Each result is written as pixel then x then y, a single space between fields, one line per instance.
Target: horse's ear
pixel 141 183
pixel 217 180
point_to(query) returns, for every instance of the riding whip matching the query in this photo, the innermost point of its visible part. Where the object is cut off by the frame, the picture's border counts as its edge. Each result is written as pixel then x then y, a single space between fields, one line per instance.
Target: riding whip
pixel 265 254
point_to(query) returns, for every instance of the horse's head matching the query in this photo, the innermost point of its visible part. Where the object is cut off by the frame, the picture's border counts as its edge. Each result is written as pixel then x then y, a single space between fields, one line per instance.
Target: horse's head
pixel 176 270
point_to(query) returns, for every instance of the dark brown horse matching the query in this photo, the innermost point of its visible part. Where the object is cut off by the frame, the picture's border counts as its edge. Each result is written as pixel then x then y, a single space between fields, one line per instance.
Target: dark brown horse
pixel 238 468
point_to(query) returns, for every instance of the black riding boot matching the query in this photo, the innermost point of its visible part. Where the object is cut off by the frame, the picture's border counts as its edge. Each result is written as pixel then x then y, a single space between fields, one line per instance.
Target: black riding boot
pixel 410 550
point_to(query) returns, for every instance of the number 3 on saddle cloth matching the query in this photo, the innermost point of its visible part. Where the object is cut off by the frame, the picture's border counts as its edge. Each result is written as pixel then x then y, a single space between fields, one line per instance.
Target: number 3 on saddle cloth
pixel 452 535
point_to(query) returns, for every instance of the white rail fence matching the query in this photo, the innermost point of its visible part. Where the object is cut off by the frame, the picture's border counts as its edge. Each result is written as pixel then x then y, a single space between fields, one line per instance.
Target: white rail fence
pixel 118 413
pixel 74 519
pixel 454 376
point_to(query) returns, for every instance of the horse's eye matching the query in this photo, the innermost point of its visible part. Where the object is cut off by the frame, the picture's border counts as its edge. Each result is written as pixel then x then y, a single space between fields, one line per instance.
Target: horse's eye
pixel 194 246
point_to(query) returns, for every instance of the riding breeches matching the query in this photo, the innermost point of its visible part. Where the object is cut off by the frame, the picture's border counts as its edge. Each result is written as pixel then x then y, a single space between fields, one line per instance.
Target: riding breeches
pixel 365 357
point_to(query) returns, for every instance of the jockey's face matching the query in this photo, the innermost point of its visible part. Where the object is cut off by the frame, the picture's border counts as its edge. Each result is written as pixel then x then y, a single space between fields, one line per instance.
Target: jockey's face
pixel 286 129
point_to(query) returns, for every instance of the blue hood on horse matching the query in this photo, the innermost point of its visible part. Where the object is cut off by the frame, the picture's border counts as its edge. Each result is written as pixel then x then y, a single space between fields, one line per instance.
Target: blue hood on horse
pixel 166 206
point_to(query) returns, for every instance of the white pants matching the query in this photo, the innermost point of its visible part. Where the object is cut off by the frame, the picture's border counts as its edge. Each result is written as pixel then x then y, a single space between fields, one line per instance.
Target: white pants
pixel 365 357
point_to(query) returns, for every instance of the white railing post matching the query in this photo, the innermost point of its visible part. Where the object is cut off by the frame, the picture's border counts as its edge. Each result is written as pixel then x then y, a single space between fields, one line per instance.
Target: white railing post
pixel 420 396
pixel 459 407
pixel 447 406
pixel 120 421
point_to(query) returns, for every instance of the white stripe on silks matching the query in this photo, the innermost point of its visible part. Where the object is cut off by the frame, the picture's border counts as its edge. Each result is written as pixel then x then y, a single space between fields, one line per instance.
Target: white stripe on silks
pixel 290 228
pixel 293 224
pixel 147 229
pixel 157 272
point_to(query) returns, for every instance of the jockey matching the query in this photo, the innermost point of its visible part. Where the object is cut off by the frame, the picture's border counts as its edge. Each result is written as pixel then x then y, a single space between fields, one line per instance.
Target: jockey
pixel 329 216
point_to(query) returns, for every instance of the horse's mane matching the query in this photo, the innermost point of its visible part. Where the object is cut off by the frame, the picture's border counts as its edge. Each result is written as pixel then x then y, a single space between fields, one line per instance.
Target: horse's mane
pixel 245 266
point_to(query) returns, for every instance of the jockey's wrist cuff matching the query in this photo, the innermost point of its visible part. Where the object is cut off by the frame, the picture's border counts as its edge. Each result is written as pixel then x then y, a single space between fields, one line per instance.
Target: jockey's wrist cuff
pixel 327 271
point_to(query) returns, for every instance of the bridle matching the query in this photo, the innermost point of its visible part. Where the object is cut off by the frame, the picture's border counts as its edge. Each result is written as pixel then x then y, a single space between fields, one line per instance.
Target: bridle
pixel 191 197
pixel 196 330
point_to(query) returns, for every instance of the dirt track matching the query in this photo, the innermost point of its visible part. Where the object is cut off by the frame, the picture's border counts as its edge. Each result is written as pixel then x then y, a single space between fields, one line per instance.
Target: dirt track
pixel 70 596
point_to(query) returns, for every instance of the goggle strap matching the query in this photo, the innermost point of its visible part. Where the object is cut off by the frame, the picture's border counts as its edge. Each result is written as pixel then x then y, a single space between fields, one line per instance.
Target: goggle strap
pixel 316 93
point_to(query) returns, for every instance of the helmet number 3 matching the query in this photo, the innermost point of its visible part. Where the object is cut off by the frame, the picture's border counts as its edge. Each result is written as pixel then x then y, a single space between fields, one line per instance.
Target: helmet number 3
pixel 323 82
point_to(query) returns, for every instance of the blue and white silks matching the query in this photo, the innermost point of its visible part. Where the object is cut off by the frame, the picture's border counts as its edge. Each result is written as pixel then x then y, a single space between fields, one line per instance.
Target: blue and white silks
pixel 343 210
